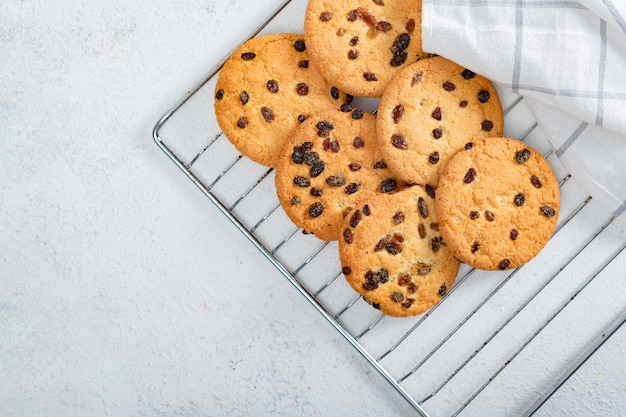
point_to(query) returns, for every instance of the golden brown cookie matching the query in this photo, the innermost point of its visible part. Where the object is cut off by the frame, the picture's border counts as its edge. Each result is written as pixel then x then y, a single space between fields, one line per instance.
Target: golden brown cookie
pixel 392 252
pixel 498 203
pixel 359 45
pixel 326 166
pixel 265 89
pixel 431 110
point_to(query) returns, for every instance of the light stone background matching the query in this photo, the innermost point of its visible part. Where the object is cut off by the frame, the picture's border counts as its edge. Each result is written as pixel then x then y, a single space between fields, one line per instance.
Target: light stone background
pixel 123 292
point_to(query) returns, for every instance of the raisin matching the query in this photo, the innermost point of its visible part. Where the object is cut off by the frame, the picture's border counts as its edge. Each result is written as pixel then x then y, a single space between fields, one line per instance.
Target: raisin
pixel 369 76
pixel 334 146
pixel 468 146
pixel 316 192
pixel 354 166
pixel 302 182
pixel 353 15
pixel 473 215
pixel 467 74
pixel 302 118
pixel 404 280
pixel 383 26
pixel 416 78
pixel 335 181
pixel 423 269
pixel 536 182
pixel 346 270
pixel 354 41
pixel 247 56
pixel 220 94
pixel 367 17
pixel 317 169
pixel 357 113
pixel 379 2
pixel 519 199
pixel 483 96
pixel 421 229
pixel 448 86
pixel 382 243
pixel 436 114
pixel 369 286
pixel 366 210
pixel 297 156
pixel 514 234
pixel 311 158
pixel 326 16
pixel 352 54
pixel 475 246
pixel 522 156
pixel 434 226
pixel 397 297
pixel 388 185
pixel 272 86
pixel 437 133
pixel 410 25
pixel 302 89
pixel 345 107
pixel 299 45
pixel 380 165
pixel 463 104
pixel 429 190
pixel 324 128
pixel 486 125
pixel 393 248
pixel 504 264
pixel 398 59
pixel 408 303
pixel 306 146
pixel 434 157
pixel 242 122
pixel 295 200
pixel 316 209
pixel 358 142
pixel 303 64
pixel 399 141
pixel 355 219
pixel 348 237
pixel 334 93
pixel 421 206
pixel 435 244
pixel 548 211
pixel 397 113
pixel 382 276
pixel 443 290
pixel 244 97
pixel 400 43
pixel 268 114
pixel 351 188
pixel 489 216
pixel 398 217
pixel 470 176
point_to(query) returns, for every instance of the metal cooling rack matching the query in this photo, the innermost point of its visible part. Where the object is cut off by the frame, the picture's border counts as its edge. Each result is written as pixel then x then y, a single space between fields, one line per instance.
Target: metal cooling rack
pixel 523 331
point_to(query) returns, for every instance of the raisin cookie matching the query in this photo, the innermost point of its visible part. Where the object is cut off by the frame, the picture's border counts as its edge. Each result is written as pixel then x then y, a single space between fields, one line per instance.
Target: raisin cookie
pixel 498 203
pixel 265 89
pixel 360 44
pixel 430 110
pixel 392 252
pixel 326 166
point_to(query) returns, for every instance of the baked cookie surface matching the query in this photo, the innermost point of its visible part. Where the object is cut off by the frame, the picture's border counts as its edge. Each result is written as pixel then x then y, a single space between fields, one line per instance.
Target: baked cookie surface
pixel 498 203
pixel 430 110
pixel 265 89
pixel 361 44
pixel 392 252
pixel 328 164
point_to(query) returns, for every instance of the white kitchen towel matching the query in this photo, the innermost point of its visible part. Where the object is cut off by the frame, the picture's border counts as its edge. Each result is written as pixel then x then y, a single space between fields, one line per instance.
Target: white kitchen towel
pixel 566 58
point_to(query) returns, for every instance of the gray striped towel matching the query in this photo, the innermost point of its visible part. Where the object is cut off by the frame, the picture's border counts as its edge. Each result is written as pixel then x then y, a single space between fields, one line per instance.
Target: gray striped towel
pixel 566 58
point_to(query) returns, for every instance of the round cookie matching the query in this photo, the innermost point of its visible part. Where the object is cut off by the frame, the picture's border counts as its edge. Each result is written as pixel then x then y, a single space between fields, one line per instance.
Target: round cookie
pixel 498 203
pixel 430 110
pixel 265 89
pixel 326 166
pixel 360 45
pixel 392 252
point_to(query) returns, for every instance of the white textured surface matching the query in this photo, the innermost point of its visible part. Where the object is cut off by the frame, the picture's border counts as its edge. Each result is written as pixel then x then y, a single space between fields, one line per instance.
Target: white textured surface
pixel 123 292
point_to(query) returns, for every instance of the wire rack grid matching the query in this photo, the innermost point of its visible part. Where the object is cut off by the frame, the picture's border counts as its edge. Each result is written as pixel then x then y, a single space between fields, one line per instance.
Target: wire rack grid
pixel 524 331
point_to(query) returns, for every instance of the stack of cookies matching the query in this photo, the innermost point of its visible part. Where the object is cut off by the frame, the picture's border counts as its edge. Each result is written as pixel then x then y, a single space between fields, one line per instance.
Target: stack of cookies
pixel 409 193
